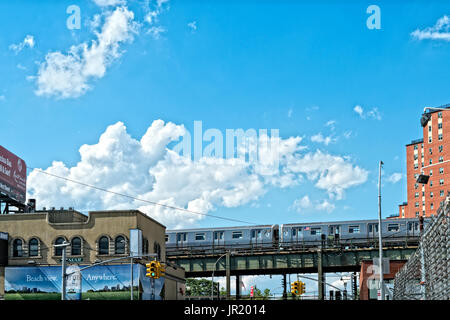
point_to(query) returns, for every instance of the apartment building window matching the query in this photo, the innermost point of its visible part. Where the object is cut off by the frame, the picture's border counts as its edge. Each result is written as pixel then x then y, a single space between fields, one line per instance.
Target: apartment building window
pixel 431 172
pixel 441 182
pixel 417 205
pixel 416 166
pixel 441 193
pixel 441 170
pixel 431 183
pixel 119 245
pixel 417 195
pixel 431 150
pixel 416 157
pixel 430 140
pixel 440 137
pixel 431 161
pixel 431 194
pixel 33 247
pixel 416 186
pixel 76 246
pixel 416 175
pixel 429 128
pixel 441 159
pixel 417 214
pixel 440 115
pixel 441 148
pixel 103 245
pixel 415 147
pixel 440 125
pixel 18 248
pixel 59 250
pixel 431 206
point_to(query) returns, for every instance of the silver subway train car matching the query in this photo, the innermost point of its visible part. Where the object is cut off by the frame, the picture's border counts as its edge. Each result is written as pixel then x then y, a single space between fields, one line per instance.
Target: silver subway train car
pixel 355 233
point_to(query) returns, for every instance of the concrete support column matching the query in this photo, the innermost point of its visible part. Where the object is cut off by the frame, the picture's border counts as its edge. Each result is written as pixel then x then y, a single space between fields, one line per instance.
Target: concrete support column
pixel 228 274
pixel 321 278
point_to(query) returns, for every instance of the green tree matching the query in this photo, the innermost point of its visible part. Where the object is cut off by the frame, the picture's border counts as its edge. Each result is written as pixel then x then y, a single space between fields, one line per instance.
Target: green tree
pixel 261 295
pixel 200 287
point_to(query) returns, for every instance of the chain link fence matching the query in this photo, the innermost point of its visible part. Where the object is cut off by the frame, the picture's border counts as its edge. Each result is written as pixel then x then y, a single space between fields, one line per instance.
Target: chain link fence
pixel 426 275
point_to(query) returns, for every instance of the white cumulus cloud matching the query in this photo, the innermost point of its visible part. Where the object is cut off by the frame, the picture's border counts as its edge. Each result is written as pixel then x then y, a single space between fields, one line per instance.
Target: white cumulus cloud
pixel 440 31
pixel 27 42
pixel 148 169
pixel 67 75
pixel 371 114
pixel 395 177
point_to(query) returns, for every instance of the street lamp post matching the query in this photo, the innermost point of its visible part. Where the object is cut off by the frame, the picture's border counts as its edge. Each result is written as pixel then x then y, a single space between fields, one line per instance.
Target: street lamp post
pixel 63 245
pixel 212 277
pixel 214 269
pixel 380 241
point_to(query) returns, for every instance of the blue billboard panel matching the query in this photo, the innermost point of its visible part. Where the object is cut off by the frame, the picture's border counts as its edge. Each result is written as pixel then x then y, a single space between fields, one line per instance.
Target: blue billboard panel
pixel 106 282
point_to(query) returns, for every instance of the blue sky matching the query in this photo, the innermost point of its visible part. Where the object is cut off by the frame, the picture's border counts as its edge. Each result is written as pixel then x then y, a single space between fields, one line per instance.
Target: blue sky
pixel 301 67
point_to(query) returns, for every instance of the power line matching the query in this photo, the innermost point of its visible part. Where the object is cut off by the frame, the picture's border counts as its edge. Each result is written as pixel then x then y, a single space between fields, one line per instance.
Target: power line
pixel 139 199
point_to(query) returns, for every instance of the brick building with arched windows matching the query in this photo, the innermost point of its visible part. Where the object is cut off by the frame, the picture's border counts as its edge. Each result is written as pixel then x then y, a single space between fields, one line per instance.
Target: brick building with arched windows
pixel 99 236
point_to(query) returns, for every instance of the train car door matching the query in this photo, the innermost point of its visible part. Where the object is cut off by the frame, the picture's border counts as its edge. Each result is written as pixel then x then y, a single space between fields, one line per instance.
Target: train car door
pixel 334 233
pixel 256 237
pixel 413 229
pixel 334 230
pixel 219 240
pixel 297 235
pixel 181 239
pixel 372 230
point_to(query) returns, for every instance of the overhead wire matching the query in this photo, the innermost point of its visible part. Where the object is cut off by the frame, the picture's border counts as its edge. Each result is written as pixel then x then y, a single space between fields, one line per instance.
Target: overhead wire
pixel 140 199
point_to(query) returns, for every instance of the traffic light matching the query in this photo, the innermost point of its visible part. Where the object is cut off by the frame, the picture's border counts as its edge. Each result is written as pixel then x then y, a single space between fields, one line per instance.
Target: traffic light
pixel 155 270
pixel 161 270
pixel 301 288
pixel 295 288
pixel 152 269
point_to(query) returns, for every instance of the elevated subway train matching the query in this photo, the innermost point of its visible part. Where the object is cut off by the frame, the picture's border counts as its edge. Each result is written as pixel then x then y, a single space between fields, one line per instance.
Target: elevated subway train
pixel 356 233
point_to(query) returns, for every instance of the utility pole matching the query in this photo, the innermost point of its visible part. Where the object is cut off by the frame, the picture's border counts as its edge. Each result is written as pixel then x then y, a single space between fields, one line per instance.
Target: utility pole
pixel 380 241
pixel 228 273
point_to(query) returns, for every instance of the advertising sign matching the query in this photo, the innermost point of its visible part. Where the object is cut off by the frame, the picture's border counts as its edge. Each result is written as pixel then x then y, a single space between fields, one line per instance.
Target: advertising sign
pixel 13 175
pixel 73 283
pixel 104 282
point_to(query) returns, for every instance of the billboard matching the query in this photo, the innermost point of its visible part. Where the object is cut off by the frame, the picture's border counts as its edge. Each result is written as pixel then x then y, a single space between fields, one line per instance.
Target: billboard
pixel 102 282
pixel 13 175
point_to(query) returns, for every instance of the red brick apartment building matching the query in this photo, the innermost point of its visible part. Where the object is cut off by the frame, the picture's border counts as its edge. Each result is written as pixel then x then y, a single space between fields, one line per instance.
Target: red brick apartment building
pixel 428 156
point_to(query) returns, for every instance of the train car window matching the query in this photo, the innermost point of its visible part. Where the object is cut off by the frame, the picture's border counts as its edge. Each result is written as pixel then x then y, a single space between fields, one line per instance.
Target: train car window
pixel 200 236
pixel 236 235
pixel 316 231
pixel 393 227
pixel 353 229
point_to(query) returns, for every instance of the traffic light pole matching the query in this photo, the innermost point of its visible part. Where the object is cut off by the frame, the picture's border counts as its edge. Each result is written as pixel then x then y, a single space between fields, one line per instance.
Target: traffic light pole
pixel 131 279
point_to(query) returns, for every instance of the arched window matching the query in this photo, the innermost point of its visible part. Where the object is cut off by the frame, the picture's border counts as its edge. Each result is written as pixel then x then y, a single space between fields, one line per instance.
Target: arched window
pixel 33 247
pixel 103 245
pixel 59 250
pixel 76 246
pixel 120 245
pixel 17 248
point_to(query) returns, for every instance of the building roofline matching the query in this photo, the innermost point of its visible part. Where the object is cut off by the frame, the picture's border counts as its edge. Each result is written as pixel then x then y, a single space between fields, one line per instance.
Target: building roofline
pixel 413 142
pixel 127 211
